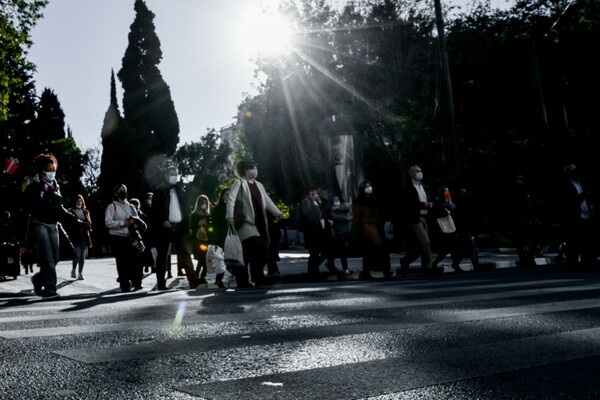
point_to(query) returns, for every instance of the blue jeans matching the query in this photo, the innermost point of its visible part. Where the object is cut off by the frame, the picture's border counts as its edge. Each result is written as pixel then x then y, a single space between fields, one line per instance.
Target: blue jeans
pixel 80 252
pixel 46 240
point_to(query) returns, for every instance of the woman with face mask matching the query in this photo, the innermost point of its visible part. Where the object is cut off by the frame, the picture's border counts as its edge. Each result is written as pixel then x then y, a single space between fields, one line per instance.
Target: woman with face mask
pixel 253 230
pixel 201 232
pixel 80 236
pixel 44 202
pixel 367 233
pixel 120 215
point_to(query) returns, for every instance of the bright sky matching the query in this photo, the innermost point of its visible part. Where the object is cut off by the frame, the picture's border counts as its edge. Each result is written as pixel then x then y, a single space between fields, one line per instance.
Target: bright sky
pixel 204 59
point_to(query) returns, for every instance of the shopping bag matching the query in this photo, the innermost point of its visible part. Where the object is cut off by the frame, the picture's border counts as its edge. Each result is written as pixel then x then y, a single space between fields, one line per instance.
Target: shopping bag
pixel 233 250
pixel 446 224
pixel 215 258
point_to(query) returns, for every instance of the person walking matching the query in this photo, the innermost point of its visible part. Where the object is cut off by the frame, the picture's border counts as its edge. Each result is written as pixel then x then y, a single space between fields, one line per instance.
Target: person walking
pixel 171 220
pixel 121 217
pixel 149 256
pixel 253 229
pixel 340 219
pixel 80 236
pixel 317 237
pixel 417 205
pixel 43 202
pixel 200 227
pixel 577 219
pixel 465 219
pixel 443 209
pixel 520 208
pixel 219 227
pixel 367 232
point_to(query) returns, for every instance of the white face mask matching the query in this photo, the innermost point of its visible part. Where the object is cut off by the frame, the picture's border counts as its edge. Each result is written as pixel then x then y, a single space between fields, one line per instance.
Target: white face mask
pixel 172 179
pixel 419 176
pixel 204 206
pixel 336 204
pixel 252 173
pixel 78 206
pixel 149 202
pixel 369 190
pixel 49 176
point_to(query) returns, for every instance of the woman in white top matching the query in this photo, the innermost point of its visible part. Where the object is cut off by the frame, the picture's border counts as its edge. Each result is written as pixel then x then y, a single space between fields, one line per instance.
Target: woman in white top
pixel 119 218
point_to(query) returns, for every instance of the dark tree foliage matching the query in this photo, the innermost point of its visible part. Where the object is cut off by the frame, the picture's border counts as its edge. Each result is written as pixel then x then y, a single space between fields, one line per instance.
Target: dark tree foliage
pixel 208 162
pixel 525 84
pixel 50 121
pixel 150 123
pixel 112 148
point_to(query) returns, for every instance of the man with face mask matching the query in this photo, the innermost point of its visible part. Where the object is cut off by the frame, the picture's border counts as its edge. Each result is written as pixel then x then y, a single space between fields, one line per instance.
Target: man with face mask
pixel 317 239
pixel 253 230
pixel 417 205
pixel 170 222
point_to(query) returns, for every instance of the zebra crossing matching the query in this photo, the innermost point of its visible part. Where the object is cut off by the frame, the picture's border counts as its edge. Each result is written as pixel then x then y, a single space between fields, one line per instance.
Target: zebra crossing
pixel 347 340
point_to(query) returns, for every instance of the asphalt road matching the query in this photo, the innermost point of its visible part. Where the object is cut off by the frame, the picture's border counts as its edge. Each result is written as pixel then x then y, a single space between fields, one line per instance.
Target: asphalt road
pixel 498 334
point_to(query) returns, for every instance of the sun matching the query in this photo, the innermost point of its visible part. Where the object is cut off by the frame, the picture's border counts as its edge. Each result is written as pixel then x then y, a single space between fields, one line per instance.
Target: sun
pixel 264 33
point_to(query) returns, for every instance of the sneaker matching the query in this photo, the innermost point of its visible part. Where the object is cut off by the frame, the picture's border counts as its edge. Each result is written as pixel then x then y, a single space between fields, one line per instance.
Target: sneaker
pixel 347 272
pixel 73 274
pixel 36 279
pixel 80 277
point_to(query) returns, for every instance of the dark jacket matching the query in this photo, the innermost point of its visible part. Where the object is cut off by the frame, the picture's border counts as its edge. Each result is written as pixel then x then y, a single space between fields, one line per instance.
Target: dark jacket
pixel 160 209
pixel 413 205
pixel 44 201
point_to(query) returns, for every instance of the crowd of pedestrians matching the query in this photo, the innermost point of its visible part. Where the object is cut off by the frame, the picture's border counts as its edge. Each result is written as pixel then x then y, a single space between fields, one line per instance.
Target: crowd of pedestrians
pixel 144 234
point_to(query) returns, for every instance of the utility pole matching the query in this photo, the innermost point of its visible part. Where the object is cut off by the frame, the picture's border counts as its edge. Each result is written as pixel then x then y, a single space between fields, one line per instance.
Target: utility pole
pixel 448 83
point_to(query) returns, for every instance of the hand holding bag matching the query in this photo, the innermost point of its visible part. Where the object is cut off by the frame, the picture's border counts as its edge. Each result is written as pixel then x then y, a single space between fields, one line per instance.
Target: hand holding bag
pixel 215 257
pixel 233 250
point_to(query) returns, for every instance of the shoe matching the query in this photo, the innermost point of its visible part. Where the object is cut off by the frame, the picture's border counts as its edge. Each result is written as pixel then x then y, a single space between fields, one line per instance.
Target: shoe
pixel 202 281
pixel 49 295
pixel 347 272
pixel 80 277
pixel 146 269
pixel 73 274
pixel 169 276
pixel 36 279
pixel 388 274
pixel 220 285
pixel 136 288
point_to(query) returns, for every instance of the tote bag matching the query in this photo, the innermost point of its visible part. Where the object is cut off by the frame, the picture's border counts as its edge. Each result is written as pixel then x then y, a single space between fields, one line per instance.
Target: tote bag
pixel 233 250
pixel 446 224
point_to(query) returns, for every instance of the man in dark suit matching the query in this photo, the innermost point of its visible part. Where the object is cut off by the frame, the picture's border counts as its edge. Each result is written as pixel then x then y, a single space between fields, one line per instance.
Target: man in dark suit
pixel 170 217
pixel 418 204
pixel 577 219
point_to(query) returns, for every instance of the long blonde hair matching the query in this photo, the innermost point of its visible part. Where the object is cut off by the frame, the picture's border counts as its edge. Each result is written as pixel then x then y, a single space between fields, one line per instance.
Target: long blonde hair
pixel 198 205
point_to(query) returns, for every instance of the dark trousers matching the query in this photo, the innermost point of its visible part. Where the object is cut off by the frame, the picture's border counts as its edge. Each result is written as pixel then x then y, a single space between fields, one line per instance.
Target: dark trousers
pixel 178 236
pixel 256 255
pixel 129 269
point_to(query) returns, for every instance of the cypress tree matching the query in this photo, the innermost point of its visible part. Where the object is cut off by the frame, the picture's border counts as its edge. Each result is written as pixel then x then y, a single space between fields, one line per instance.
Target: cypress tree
pixel 50 121
pixel 112 155
pixel 150 123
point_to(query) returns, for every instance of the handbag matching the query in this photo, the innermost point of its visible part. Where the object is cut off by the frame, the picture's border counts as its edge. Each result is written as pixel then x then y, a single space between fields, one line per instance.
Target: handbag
pixel 446 224
pixel 238 214
pixel 232 249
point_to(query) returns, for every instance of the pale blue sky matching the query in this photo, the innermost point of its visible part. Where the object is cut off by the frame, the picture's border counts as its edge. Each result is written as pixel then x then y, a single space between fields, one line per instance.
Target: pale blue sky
pixel 78 42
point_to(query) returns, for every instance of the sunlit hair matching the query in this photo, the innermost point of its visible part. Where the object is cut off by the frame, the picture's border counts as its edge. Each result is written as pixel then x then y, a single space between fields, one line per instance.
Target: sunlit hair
pixel 198 205
pixel 80 197
pixel 243 166
pixel 41 160
pixel 135 202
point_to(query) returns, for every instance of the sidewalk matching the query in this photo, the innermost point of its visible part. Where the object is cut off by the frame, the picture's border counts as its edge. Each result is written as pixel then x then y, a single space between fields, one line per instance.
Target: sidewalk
pixel 101 273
